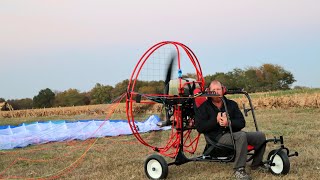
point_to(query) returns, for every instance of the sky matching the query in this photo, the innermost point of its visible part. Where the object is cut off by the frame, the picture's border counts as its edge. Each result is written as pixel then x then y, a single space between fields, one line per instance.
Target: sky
pixel 62 44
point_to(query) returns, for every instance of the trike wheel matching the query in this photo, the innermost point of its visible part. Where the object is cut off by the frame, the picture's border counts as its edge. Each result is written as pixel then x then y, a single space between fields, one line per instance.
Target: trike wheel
pixel 156 167
pixel 280 163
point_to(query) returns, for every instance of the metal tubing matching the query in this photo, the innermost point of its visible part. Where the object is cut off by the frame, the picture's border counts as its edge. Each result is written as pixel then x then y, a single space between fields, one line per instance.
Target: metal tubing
pixel 252 111
pixel 229 125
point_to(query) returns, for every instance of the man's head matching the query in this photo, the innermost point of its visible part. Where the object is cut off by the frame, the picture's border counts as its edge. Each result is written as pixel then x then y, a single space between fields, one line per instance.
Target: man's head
pixel 218 88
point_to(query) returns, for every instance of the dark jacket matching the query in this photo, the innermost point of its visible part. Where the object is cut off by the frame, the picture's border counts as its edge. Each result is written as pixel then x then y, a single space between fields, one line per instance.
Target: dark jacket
pixel 206 118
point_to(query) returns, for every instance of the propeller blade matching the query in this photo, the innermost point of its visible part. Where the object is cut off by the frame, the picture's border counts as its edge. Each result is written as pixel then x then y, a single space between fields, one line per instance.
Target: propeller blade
pixel 168 75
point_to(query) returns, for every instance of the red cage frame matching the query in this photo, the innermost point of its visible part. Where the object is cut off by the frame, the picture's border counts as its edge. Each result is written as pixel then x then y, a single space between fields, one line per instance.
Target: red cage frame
pixel 176 137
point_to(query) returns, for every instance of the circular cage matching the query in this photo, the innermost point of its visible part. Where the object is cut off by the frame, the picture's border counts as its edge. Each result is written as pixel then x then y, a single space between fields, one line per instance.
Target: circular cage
pixel 153 92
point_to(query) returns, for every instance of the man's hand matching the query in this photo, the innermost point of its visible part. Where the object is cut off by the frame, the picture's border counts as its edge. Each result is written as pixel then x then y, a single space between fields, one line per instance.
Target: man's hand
pixel 222 119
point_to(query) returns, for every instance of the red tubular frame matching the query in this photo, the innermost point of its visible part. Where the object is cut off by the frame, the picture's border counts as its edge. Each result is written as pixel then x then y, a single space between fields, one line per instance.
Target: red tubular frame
pixel 172 147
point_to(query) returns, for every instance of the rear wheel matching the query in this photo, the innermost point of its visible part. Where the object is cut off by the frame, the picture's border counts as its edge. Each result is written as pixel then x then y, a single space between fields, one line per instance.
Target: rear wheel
pixel 156 167
pixel 280 163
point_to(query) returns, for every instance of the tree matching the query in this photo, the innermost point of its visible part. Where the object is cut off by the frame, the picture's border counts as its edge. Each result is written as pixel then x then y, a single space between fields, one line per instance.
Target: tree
pixel 190 75
pixel 25 103
pixel 301 87
pixel 220 76
pixel 87 97
pixel 101 94
pixel 274 77
pixel 267 77
pixel 120 88
pixel 251 80
pixel 2 100
pixel 45 98
pixel 70 97
pixel 148 90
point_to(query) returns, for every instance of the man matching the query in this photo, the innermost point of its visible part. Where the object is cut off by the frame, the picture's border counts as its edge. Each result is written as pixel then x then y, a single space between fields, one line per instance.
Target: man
pixel 211 120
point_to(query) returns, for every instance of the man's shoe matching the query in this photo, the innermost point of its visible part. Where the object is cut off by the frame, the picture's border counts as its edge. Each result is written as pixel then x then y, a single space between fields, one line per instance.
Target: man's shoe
pixel 261 168
pixel 241 174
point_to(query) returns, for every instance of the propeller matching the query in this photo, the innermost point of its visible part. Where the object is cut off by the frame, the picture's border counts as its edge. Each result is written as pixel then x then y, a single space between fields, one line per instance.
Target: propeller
pixel 168 108
pixel 168 75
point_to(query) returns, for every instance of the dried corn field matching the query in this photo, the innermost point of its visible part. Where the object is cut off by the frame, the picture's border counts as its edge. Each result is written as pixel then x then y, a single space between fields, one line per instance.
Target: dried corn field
pixel 260 101
pixel 58 111
pixel 283 102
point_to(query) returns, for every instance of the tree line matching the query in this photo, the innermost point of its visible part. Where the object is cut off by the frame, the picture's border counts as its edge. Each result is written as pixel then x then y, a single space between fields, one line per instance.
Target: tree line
pixel 267 77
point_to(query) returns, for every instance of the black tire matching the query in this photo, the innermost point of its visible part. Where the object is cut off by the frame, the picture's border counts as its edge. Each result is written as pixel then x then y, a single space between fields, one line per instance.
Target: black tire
pixel 156 167
pixel 281 163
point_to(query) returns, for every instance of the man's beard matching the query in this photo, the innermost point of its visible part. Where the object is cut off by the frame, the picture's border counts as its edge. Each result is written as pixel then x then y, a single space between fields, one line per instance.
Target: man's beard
pixel 216 99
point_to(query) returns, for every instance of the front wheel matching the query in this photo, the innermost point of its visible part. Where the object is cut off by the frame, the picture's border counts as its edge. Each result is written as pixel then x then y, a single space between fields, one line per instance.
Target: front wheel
pixel 280 163
pixel 156 167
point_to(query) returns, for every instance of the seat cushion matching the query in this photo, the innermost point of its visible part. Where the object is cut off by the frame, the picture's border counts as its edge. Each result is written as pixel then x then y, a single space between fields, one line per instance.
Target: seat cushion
pixel 250 148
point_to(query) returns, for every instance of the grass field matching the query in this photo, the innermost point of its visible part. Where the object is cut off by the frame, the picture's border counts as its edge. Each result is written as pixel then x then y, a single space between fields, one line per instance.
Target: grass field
pixel 123 157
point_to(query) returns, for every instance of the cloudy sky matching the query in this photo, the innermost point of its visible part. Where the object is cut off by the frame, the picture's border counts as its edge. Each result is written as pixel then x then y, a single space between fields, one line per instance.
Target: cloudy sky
pixel 62 44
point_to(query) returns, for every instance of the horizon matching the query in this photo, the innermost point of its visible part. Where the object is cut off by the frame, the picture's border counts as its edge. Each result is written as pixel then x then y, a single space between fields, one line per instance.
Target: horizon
pixel 59 91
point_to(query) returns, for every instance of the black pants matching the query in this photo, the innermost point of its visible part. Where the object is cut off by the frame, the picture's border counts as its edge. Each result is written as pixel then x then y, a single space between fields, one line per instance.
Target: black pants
pixel 242 139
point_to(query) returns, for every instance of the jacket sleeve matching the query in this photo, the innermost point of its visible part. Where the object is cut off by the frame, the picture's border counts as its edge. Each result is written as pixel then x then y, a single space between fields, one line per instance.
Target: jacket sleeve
pixel 236 117
pixel 205 119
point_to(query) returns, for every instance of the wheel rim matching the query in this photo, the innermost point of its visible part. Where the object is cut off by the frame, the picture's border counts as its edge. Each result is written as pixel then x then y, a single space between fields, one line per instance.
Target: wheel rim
pixel 278 164
pixel 154 169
